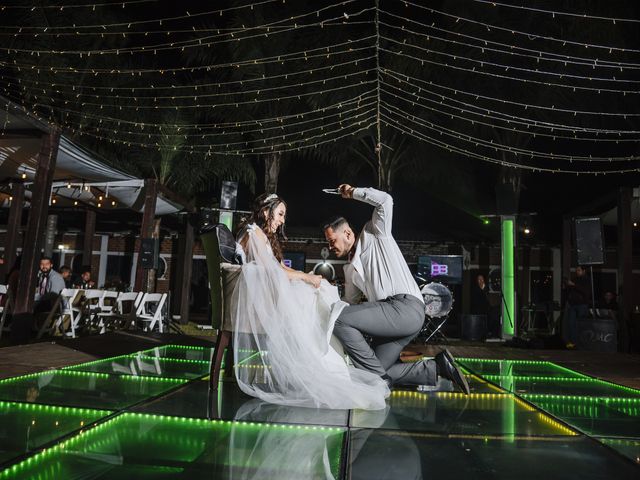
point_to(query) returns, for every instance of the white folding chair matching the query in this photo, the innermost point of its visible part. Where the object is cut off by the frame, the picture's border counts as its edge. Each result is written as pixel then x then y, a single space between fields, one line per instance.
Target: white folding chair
pixel 5 295
pixel 107 304
pixel 71 308
pixel 150 311
pixel 126 308
pixel 91 306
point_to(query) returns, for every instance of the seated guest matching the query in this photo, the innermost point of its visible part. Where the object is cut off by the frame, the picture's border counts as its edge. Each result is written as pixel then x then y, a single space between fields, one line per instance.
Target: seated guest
pixel 50 284
pixel 85 282
pixel 65 272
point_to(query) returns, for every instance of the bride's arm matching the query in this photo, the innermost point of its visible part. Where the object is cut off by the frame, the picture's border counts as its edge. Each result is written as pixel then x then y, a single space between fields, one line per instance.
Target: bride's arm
pixel 309 278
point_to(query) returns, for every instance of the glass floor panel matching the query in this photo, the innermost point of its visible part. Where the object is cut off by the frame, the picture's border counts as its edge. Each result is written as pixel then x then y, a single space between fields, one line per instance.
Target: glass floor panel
pixel 590 387
pixel 194 400
pixel 629 447
pixel 181 352
pixel 152 447
pixel 517 368
pixel 25 427
pixel 386 454
pixel 146 366
pixel 619 417
pixel 83 389
pixel 456 413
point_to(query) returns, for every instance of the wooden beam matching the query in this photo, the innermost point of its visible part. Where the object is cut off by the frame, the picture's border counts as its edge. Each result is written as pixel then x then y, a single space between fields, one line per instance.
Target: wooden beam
pixel 625 274
pixel 22 133
pixel 148 214
pixel 34 235
pixel 89 232
pixel 176 198
pixel 14 225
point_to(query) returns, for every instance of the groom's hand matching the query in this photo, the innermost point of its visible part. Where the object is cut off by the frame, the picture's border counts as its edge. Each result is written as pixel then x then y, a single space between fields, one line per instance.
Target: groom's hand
pixel 346 190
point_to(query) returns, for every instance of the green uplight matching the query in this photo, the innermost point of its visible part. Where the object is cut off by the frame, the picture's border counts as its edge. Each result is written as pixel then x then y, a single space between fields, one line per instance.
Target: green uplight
pixel 508 278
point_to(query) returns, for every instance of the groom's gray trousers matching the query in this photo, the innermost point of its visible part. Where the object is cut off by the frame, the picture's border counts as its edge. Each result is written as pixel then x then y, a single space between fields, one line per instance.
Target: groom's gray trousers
pixel 392 323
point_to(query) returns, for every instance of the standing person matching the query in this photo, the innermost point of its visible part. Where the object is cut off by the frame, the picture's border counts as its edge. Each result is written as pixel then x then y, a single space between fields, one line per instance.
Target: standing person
pixel 394 312
pixel 578 295
pixel 479 296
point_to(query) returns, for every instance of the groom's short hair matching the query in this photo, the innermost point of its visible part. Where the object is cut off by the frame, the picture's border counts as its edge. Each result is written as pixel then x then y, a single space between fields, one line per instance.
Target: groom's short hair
pixel 336 223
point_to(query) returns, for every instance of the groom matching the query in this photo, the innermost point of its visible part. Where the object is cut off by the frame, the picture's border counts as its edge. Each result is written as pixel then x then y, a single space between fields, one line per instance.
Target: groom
pixel 394 312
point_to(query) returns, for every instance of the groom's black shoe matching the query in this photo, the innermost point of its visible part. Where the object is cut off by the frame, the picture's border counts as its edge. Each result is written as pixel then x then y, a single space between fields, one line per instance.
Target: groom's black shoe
pixel 447 369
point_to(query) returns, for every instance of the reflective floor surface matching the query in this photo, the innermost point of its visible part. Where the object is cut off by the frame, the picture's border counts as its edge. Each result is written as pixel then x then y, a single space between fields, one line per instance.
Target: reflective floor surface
pixel 151 415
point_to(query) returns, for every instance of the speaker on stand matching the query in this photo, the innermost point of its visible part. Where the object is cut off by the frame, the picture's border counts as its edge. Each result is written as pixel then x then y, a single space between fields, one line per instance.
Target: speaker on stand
pixel 589 249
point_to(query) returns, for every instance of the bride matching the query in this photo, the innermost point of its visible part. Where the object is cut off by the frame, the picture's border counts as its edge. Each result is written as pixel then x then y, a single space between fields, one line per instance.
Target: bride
pixel 283 322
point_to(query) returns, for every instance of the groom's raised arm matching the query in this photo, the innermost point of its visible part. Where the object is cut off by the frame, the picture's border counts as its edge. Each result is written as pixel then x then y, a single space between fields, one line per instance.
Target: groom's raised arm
pixel 383 213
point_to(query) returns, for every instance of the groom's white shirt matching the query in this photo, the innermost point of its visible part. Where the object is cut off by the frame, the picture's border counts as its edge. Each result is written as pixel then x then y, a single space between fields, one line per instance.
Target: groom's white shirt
pixel 377 267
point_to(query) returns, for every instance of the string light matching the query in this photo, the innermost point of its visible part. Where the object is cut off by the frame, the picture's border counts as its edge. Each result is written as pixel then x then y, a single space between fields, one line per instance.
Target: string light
pixel 493 125
pixel 159 21
pixel 76 90
pixel 526 106
pixel 86 5
pixel 222 125
pixel 507 77
pixel 511 50
pixel 513 150
pixel 223 133
pixel 468 153
pixel 202 42
pixel 119 112
pixel 501 66
pixel 527 35
pixel 553 13
pixel 257 92
pixel 281 59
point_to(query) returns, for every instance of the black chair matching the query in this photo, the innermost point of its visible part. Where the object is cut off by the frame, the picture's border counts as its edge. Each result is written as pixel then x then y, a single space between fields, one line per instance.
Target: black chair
pixel 223 267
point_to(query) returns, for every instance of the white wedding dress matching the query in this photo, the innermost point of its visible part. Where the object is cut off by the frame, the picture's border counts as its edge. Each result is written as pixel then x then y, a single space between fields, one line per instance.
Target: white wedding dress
pixel 283 339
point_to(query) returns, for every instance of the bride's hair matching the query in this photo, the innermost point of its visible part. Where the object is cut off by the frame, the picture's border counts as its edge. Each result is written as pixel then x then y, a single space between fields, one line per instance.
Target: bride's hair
pixel 268 202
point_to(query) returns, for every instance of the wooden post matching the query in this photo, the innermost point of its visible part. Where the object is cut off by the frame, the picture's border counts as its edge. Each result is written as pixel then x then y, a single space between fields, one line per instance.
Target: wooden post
pixel 148 214
pixel 625 260
pixel 13 227
pixel 89 232
pixel 184 267
pixel 34 235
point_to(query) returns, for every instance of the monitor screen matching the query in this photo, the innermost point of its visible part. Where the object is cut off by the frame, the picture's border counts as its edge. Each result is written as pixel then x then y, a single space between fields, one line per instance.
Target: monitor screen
pixel 440 268
pixel 295 260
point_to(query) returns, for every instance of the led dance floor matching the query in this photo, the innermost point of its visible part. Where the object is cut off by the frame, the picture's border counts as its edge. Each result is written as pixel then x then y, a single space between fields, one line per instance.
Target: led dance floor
pixel 150 415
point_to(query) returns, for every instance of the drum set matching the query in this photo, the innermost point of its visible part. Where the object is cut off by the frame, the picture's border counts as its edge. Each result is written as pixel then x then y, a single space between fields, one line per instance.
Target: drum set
pixel 438 303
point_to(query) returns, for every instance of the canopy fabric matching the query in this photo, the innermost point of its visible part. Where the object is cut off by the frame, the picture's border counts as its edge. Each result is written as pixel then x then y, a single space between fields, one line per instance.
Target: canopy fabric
pixel 79 176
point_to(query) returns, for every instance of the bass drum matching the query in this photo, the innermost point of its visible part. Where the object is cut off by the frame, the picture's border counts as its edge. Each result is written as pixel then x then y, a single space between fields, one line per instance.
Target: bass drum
pixel 438 300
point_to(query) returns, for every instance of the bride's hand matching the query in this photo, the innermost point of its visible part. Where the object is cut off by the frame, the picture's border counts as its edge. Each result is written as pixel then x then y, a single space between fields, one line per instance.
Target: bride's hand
pixel 313 279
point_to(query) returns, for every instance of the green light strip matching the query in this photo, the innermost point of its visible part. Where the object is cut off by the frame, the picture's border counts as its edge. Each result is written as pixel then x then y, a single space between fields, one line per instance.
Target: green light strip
pixel 508 278
pixel 565 379
pixel 86 435
pixel 89 374
pixel 546 396
pixel 134 356
pixel 51 408
pixel 495 360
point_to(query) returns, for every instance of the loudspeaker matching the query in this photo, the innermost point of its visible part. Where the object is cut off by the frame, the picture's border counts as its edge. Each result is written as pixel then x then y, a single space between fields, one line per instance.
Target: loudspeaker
pixel 589 242
pixel 228 195
pixel 149 252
